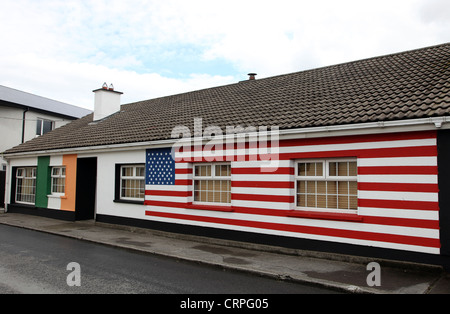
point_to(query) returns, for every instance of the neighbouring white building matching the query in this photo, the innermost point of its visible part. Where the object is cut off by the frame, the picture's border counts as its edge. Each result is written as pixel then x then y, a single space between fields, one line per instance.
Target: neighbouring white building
pixel 24 116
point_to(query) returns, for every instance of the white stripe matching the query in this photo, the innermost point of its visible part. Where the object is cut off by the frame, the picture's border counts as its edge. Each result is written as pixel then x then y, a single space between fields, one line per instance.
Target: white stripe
pixel 262 177
pixel 259 164
pixel 398 196
pixel 163 198
pixel 261 204
pixel 261 191
pixel 183 165
pixel 404 178
pixel 183 176
pixel 397 161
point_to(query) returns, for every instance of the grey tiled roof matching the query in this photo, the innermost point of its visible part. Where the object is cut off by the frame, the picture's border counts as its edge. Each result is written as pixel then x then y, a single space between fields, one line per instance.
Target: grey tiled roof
pixel 407 85
pixel 18 97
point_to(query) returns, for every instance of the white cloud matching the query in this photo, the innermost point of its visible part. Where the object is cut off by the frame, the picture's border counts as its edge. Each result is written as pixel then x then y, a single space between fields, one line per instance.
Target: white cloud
pixel 65 49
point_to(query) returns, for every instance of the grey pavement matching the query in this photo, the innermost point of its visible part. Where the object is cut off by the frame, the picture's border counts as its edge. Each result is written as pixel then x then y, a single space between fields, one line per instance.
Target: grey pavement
pixel 343 273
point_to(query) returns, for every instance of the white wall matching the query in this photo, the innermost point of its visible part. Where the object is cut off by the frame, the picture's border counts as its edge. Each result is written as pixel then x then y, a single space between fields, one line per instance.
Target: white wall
pixel 106 164
pixel 11 126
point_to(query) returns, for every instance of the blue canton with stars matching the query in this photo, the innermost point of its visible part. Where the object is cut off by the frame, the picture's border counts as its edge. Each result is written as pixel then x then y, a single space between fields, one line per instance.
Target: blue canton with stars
pixel 160 167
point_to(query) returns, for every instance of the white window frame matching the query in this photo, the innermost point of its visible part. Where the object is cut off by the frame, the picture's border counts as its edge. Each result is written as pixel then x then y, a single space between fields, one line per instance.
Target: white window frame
pixel 325 177
pixel 211 177
pixel 23 177
pixel 41 128
pixel 60 175
pixel 134 176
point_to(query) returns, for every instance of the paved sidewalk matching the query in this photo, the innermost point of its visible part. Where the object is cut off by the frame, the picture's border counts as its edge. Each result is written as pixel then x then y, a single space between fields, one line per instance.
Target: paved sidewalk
pixel 344 273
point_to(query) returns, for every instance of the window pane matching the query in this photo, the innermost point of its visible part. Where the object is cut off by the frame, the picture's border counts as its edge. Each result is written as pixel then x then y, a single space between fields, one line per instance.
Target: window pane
pixel 47 126
pixel 127 171
pixel 352 169
pixel 301 200
pixel 140 172
pixel 321 201
pixel 223 170
pixel 310 169
pixel 311 187
pixel 343 187
pixel 342 169
pixel 39 127
pixel 332 169
pixel 319 169
pixel 342 201
pixel 29 172
pixel 331 187
pixel 301 187
pixel 331 201
pixel 353 202
pixel 321 187
pixel 301 169
pixel 311 200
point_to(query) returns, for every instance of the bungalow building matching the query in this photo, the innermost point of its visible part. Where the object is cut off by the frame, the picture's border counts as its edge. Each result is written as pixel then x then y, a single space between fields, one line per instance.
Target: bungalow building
pixel 351 158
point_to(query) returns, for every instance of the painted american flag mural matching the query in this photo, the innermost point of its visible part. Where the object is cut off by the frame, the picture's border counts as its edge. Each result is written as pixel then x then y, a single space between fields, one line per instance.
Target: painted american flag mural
pixel 397 194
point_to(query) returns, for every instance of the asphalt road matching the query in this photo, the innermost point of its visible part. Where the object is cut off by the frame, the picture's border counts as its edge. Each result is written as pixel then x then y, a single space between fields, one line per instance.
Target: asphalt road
pixel 32 262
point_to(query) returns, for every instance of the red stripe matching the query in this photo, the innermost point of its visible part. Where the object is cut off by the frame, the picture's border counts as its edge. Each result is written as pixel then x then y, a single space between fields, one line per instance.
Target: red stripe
pixel 416 151
pixel 360 235
pixel 183 171
pixel 168 193
pixel 360 139
pixel 263 198
pixel 398 170
pixel 353 139
pixel 402 222
pixel 183 182
pixel 419 205
pixel 398 187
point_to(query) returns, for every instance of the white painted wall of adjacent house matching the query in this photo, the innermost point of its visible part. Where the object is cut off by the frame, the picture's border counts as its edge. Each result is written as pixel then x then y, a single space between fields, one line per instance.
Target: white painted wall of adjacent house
pixel 11 120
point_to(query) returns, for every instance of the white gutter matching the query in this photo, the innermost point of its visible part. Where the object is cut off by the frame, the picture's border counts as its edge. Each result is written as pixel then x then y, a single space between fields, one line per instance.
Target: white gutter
pixel 323 131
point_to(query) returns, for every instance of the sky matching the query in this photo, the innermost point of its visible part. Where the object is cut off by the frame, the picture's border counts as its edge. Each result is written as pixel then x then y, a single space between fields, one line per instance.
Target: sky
pixel 63 50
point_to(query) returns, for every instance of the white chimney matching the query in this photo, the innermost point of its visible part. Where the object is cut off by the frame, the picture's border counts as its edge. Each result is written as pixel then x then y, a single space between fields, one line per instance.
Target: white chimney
pixel 107 102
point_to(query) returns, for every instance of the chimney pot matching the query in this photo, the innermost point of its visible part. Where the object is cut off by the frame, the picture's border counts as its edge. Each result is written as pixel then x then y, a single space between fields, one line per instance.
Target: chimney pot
pixel 106 102
pixel 252 76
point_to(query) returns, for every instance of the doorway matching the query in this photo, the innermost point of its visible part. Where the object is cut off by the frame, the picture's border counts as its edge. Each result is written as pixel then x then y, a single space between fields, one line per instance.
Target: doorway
pixel 2 188
pixel 86 188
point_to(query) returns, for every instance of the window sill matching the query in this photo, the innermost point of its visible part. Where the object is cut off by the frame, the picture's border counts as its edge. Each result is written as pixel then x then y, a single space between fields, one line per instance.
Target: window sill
pixel 219 208
pixel 324 215
pixel 62 196
pixel 129 202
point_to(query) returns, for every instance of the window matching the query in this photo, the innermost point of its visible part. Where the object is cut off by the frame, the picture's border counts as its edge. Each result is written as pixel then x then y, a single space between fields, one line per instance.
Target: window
pixel 132 182
pixel 26 185
pixel 327 184
pixel 212 183
pixel 43 126
pixel 58 180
